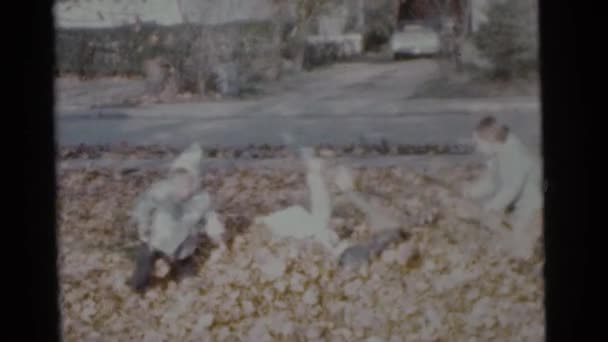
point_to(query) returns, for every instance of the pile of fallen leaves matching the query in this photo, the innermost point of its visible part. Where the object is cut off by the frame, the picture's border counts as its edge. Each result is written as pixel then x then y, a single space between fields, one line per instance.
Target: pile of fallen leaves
pixel 447 282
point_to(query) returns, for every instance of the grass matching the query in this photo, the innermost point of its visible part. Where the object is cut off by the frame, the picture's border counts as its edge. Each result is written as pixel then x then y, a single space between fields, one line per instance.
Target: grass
pixel 464 85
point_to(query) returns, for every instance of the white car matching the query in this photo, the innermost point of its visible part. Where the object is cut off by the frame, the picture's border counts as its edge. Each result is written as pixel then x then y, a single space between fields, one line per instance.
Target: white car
pixel 415 41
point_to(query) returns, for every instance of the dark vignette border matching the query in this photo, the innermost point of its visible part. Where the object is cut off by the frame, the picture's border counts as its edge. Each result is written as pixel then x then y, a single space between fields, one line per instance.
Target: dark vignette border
pixel 565 134
pixel 34 33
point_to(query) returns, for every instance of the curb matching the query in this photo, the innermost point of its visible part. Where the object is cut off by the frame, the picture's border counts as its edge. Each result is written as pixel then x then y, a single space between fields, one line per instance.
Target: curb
pixel 426 162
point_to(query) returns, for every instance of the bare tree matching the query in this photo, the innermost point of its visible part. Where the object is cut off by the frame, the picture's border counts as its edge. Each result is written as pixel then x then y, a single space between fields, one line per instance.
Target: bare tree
pixel 303 15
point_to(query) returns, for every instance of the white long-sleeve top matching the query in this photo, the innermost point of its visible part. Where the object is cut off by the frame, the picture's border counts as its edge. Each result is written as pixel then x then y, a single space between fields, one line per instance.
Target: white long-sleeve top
pixel 165 220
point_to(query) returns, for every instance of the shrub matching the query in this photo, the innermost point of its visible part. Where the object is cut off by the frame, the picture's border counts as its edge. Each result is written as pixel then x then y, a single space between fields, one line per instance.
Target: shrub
pixel 509 39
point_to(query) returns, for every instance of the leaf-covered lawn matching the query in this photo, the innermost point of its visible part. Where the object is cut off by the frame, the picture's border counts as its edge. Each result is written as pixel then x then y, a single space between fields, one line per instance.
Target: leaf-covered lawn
pixel 448 282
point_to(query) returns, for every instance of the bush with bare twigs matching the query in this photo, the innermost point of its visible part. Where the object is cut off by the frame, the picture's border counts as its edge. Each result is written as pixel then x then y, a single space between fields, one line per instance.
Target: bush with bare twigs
pixel 509 39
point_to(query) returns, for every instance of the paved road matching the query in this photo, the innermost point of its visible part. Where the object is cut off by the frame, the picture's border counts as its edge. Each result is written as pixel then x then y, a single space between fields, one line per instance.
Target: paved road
pixel 338 105
pixel 409 129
